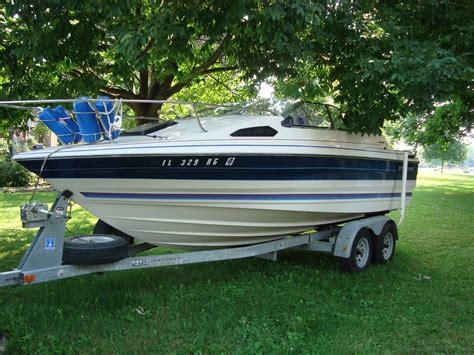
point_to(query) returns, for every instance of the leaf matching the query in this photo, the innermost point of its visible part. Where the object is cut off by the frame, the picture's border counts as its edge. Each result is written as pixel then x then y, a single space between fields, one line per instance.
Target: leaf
pixel 126 37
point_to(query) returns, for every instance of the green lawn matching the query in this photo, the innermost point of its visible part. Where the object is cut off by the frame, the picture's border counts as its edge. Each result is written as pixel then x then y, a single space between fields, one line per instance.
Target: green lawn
pixel 421 302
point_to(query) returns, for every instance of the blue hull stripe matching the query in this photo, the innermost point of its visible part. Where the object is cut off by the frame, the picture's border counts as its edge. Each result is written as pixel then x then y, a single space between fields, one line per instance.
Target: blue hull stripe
pixel 239 197
pixel 220 167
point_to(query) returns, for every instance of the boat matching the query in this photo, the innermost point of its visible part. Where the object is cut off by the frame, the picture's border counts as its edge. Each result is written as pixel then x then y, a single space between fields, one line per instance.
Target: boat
pixel 236 175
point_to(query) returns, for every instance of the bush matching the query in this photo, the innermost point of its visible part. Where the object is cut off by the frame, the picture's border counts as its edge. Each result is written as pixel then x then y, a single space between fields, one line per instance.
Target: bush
pixel 13 174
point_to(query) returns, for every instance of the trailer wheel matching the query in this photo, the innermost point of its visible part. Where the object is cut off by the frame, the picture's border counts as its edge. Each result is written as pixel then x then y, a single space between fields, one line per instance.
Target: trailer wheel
pixel 361 253
pixel 94 249
pixel 384 244
pixel 103 228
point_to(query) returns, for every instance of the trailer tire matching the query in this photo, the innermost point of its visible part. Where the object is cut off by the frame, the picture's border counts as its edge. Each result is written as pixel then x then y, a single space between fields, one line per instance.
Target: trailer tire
pixel 384 244
pixel 361 253
pixel 94 249
pixel 103 228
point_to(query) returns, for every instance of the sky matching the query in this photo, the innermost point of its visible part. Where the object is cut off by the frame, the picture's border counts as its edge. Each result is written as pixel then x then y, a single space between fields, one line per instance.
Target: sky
pixel 266 91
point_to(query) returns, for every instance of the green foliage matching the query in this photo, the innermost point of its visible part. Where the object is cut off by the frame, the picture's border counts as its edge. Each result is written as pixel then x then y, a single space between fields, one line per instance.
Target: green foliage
pixel 379 61
pixel 384 61
pixel 455 153
pixel 218 88
pixel 13 174
pixel 144 50
pixel 40 131
pixel 442 126
pixel 4 149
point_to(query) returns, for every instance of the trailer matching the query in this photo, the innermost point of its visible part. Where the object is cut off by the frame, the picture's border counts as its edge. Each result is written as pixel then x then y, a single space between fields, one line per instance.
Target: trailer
pixel 51 256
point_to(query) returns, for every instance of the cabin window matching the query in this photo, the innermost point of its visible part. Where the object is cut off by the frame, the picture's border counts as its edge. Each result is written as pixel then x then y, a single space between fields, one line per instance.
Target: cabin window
pixel 305 114
pixel 261 131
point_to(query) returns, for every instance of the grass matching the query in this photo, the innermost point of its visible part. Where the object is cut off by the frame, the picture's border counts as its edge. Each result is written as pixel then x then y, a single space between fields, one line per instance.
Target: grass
pixel 421 302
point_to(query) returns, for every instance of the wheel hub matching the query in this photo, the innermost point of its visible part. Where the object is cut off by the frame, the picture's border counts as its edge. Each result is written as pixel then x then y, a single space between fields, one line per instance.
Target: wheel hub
pixel 92 239
pixel 387 245
pixel 362 252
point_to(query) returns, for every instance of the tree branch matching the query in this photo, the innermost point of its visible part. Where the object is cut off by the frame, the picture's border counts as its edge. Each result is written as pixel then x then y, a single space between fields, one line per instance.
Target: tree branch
pixel 178 86
pixel 174 89
pixel 214 56
pixel 157 88
pixel 226 86
pixel 106 89
pixel 219 69
pixel 147 48
pixel 119 92
pixel 133 106
pixel 200 70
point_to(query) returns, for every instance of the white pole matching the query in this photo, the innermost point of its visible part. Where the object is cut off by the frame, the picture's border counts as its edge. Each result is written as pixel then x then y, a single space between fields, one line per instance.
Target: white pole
pixel 404 187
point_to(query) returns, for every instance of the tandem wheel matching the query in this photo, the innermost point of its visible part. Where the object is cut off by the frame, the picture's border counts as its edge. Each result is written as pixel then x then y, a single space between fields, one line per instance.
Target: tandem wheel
pixel 361 253
pixel 384 244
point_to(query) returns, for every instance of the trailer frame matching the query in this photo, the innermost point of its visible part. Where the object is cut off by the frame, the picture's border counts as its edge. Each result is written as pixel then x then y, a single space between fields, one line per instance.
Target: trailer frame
pixel 43 261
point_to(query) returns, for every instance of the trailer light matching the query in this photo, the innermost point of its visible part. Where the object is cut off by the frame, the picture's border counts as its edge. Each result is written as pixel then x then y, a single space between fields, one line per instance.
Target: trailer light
pixel 29 278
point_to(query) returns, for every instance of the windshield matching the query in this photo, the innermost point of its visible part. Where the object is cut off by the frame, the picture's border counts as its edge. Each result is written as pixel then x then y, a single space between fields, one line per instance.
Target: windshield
pixel 251 108
pixel 312 114
pixel 295 113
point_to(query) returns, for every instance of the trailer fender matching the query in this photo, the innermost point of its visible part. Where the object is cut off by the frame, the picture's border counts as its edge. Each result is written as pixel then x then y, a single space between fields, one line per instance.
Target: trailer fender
pixel 346 236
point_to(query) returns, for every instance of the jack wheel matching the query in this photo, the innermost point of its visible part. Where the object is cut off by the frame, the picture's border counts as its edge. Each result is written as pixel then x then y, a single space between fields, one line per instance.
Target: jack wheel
pixel 94 249
pixel 103 228
pixel 384 244
pixel 361 253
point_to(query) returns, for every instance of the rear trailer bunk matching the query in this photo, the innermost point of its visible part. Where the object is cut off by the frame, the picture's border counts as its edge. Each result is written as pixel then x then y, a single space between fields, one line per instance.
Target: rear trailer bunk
pixel 52 257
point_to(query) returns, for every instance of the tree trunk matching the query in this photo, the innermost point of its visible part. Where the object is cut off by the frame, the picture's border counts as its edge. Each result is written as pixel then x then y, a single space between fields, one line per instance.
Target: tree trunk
pixel 145 112
pixel 442 166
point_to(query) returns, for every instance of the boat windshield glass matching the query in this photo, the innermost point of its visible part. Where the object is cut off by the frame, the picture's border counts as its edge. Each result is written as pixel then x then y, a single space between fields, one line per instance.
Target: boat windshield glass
pixel 311 114
pixel 172 111
pixel 295 113
pixel 251 108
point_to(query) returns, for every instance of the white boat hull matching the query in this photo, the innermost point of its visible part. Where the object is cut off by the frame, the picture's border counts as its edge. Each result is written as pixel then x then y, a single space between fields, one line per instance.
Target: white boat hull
pixel 209 214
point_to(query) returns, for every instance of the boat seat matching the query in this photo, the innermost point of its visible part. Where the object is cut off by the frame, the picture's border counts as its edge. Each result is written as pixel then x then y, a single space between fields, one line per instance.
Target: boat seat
pixel 295 121
pixel 300 121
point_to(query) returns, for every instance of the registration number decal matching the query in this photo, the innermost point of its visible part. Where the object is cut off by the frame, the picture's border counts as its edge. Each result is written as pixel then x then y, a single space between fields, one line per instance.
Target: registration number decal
pixel 198 162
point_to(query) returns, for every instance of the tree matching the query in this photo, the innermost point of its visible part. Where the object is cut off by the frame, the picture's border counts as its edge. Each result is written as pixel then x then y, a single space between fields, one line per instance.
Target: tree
pixel 454 153
pixel 395 61
pixel 138 49
pixel 470 156
pixel 218 88
pixel 379 61
pixel 443 126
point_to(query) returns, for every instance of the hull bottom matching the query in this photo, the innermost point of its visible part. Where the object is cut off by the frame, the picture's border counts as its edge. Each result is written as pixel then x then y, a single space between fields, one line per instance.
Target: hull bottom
pixel 211 214
pixel 182 226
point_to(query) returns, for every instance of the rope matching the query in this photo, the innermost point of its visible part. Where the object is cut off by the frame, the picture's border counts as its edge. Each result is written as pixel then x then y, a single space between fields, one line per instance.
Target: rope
pixel 100 116
pixel 44 164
